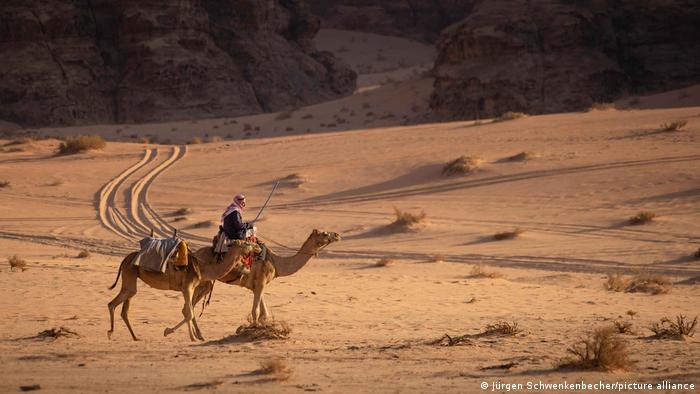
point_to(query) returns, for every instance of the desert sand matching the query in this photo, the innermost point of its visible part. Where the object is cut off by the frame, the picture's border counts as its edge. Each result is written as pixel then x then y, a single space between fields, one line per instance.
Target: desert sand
pixel 356 326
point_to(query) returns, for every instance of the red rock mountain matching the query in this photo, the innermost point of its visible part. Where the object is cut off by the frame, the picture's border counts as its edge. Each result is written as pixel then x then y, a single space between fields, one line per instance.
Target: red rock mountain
pixel 563 55
pixel 96 61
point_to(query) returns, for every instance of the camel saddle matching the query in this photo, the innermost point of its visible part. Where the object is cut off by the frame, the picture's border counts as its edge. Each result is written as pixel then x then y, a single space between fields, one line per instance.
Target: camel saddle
pixel 221 243
pixel 156 253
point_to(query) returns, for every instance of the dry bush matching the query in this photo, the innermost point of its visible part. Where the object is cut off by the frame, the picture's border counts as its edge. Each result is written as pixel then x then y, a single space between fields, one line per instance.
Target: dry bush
pixel 16 262
pixel 180 218
pixel 204 224
pixel 284 115
pixel 667 329
pixel 479 272
pixel 501 328
pixel 601 107
pixel 307 116
pixel 83 254
pixel 437 258
pixel 674 126
pixel 697 254
pixel 623 327
pixel 215 138
pixel 264 330
pixel 601 350
pixel 508 234
pixel 55 333
pixel 510 115
pixel 631 314
pixel 292 180
pixel 407 220
pixel 81 143
pixel 522 156
pixel 643 217
pixel 642 282
pixel 4 184
pixel 276 367
pixel 183 211
pixel 384 262
pixel 194 141
pixel 461 165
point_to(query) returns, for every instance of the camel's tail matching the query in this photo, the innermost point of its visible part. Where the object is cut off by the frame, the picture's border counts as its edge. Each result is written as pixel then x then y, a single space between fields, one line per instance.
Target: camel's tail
pixel 119 272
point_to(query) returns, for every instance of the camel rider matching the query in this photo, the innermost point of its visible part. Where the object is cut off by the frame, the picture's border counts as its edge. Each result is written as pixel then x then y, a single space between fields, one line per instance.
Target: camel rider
pixel 232 220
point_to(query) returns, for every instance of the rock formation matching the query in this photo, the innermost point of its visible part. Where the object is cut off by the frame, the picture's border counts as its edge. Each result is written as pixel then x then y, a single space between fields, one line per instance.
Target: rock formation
pixel 562 55
pixel 96 61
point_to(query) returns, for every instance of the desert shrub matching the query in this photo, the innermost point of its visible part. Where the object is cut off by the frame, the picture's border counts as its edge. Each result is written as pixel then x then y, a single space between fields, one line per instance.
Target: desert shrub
pixel 276 367
pixel 4 184
pixel 461 165
pixel 214 138
pixel 81 143
pixel 83 254
pixel 510 115
pixel 437 258
pixel 269 329
pixel 194 141
pixel 642 218
pixel 601 350
pixel 478 271
pixel 697 254
pixel 284 115
pixel 57 332
pixel 183 211
pixel 667 329
pixel 601 107
pixel 674 126
pixel 204 224
pixel 522 156
pixel 408 220
pixel 384 262
pixel 623 327
pixel 16 263
pixel 179 219
pixel 642 282
pixel 508 234
pixel 501 328
pixel 307 116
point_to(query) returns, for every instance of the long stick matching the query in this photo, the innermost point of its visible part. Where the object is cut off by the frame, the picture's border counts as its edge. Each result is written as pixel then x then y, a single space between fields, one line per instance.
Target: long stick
pixel 268 200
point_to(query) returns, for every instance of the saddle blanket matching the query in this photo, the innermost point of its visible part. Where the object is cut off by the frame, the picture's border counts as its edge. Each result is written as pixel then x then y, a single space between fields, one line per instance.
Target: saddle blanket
pixel 155 253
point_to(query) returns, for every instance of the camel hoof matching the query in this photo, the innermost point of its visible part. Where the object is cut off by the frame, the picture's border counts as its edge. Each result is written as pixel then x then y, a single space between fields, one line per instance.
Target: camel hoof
pixel 168 331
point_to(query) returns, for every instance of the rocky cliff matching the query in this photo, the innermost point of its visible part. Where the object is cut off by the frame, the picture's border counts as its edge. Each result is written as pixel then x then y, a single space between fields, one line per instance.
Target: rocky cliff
pixel 93 61
pixel 417 19
pixel 554 56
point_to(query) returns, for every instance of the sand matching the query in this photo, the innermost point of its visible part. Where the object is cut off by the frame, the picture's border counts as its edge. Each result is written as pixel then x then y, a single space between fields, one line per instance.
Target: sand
pixel 357 327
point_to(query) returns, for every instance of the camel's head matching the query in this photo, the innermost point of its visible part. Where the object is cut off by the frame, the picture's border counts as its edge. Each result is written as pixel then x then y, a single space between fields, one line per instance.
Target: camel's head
pixel 324 238
pixel 247 247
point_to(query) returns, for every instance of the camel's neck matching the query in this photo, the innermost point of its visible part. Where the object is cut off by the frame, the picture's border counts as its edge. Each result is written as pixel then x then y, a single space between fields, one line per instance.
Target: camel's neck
pixel 213 271
pixel 286 266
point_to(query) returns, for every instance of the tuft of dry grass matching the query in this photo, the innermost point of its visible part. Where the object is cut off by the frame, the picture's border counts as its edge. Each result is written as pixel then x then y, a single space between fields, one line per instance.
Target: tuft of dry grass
pixel 631 314
pixel 479 272
pixel 508 234
pixel 681 328
pixel 384 262
pixel 4 184
pixel 204 224
pixel 601 107
pixel 214 138
pixel 194 141
pixel 81 143
pixel 642 282
pixel 601 350
pixel 277 367
pixel 183 211
pixel 274 329
pixel 55 333
pixel 284 115
pixel 293 180
pixel 623 327
pixel 643 217
pixel 437 258
pixel 16 262
pixel 674 126
pixel 501 328
pixel 697 254
pixel 407 220
pixel 461 165
pixel 522 156
pixel 510 115
pixel 83 254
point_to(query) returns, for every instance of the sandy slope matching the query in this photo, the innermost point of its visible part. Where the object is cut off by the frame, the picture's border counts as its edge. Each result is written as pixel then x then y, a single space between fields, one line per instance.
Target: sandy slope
pixel 356 327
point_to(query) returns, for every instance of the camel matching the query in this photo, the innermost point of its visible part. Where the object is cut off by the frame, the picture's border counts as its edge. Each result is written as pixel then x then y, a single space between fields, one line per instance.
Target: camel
pixel 186 281
pixel 262 272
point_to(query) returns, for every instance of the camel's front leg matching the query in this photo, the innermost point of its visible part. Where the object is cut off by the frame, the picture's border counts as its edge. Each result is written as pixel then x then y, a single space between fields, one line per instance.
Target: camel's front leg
pixel 257 297
pixel 264 311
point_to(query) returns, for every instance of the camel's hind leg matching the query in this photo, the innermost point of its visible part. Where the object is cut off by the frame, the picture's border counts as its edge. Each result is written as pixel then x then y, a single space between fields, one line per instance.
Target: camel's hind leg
pixel 125 316
pixel 128 290
pixel 121 297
